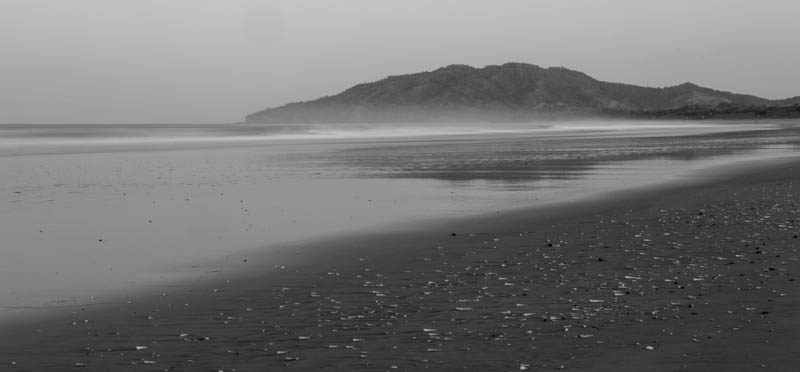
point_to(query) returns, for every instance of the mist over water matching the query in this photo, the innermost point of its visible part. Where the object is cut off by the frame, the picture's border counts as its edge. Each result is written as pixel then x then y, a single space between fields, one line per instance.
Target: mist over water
pixel 19 138
pixel 93 210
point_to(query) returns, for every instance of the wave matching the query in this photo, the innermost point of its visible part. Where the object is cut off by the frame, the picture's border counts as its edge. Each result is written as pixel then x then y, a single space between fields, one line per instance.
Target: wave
pixel 383 131
pixel 131 135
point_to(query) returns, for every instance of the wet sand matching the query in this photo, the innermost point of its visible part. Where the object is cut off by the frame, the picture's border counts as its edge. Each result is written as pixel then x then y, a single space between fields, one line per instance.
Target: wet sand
pixel 699 277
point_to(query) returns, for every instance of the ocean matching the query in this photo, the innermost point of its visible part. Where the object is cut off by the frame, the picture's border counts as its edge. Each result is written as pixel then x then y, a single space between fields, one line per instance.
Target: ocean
pixel 97 210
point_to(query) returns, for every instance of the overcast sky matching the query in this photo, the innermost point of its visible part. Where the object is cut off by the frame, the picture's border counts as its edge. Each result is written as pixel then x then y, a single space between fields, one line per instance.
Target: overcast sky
pixel 183 61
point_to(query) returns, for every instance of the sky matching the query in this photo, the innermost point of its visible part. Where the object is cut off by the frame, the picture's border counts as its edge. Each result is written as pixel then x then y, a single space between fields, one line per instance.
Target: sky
pixel 214 61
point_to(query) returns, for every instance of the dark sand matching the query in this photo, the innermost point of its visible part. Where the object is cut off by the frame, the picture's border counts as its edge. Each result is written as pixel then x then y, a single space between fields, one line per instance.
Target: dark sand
pixel 696 277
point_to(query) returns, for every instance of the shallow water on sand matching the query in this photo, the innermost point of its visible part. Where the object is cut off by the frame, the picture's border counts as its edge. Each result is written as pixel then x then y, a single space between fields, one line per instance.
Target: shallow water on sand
pixel 93 210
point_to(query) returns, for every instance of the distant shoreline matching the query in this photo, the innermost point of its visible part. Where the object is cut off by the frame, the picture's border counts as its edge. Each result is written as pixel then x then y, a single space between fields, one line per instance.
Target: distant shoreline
pixel 698 113
pixel 682 113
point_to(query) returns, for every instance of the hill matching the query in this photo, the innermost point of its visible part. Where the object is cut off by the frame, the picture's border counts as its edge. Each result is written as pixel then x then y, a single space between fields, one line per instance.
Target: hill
pixel 516 92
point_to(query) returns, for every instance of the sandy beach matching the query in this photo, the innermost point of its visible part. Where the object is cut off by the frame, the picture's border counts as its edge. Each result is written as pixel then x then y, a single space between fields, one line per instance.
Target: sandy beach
pixel 696 277
pixel 249 186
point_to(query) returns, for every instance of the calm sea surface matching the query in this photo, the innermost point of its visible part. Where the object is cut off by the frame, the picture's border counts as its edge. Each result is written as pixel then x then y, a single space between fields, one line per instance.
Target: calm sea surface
pixel 88 211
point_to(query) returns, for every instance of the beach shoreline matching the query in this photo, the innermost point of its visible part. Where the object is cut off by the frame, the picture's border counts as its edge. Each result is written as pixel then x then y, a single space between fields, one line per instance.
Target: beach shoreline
pixel 582 286
pixel 80 228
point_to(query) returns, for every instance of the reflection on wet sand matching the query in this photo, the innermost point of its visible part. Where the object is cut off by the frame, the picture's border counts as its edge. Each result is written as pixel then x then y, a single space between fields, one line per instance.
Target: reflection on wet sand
pixel 530 159
pixel 93 209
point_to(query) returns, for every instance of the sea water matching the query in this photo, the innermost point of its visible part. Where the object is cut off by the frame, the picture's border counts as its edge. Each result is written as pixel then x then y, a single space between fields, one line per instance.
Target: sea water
pixel 93 210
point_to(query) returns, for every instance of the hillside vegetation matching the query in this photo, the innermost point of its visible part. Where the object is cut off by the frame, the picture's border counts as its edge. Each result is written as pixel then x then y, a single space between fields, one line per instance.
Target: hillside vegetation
pixel 517 92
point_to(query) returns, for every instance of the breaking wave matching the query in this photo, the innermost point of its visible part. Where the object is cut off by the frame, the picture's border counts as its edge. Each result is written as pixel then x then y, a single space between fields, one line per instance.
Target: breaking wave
pixel 20 135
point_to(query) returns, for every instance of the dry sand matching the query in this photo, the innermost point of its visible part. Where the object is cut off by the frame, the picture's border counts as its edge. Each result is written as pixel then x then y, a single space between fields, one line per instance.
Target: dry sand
pixel 693 277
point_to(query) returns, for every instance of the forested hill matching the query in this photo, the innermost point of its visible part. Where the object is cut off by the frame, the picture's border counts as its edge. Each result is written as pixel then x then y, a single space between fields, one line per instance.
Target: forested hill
pixel 517 92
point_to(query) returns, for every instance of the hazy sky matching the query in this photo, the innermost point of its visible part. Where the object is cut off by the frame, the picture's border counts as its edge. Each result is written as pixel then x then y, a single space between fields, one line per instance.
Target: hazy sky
pixel 215 61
